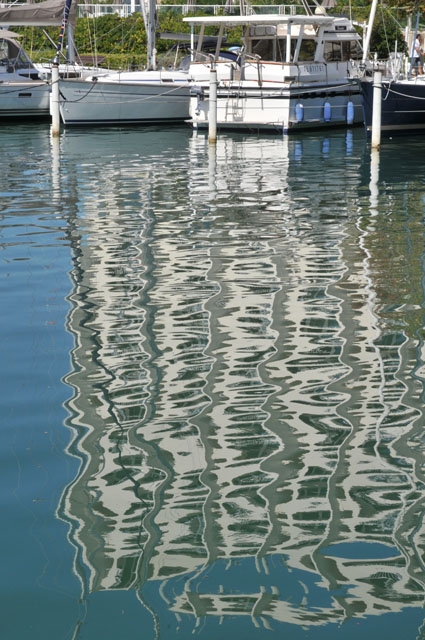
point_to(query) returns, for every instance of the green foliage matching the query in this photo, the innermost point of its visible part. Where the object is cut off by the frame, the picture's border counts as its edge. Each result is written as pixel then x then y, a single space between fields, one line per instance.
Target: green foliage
pixel 111 34
pixel 387 37
pixel 123 40
pixel 390 19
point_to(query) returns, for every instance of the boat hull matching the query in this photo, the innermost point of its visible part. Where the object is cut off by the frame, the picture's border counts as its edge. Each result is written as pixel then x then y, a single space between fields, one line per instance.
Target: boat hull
pixel 99 102
pixel 287 108
pixel 402 105
pixel 24 100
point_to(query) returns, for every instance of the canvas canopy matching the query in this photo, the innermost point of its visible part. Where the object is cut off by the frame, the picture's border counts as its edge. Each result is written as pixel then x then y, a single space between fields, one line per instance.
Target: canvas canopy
pixel 37 14
pixel 5 33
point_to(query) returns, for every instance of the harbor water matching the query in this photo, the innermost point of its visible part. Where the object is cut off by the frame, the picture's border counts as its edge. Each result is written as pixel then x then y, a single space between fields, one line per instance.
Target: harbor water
pixel 212 386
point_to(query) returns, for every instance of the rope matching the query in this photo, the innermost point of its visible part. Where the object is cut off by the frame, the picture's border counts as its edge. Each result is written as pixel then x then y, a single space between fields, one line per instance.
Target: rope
pixel 144 99
pixel 398 93
pixel 24 87
pixel 82 97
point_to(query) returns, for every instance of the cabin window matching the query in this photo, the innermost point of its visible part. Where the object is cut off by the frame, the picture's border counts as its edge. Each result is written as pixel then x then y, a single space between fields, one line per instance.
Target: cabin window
pixel 4 52
pixel 266 49
pixel 332 52
pixel 275 49
pixel 307 51
pixel 352 50
pixel 342 51
pixel 13 56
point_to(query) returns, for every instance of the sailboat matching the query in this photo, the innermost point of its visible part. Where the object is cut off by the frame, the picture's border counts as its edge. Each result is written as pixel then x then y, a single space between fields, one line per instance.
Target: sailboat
pixel 23 93
pixel 292 72
pixel 402 94
pixel 128 97
pixel 25 87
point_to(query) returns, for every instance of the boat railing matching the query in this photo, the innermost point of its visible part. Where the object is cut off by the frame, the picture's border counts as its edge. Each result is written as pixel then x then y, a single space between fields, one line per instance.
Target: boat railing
pixel 127 7
pixel 395 67
pixel 125 10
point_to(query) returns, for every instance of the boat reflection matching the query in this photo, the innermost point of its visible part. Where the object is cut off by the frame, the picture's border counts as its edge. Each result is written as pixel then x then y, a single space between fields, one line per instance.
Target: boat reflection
pixel 248 393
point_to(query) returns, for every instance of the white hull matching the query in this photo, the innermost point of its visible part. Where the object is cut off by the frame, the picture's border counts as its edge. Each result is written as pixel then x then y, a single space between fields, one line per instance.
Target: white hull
pixel 282 109
pixel 129 98
pixel 293 72
pixel 23 94
pixel 20 99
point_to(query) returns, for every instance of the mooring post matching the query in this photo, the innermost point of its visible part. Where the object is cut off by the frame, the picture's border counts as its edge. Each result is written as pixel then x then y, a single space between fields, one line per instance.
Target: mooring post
pixel 54 100
pixel 212 107
pixel 376 109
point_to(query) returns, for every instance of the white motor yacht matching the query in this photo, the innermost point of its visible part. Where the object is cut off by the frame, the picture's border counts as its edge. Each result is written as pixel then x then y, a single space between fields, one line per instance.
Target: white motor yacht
pixel 291 72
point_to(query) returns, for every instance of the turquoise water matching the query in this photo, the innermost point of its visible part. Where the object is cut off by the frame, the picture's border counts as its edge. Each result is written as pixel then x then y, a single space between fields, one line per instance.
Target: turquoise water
pixel 212 385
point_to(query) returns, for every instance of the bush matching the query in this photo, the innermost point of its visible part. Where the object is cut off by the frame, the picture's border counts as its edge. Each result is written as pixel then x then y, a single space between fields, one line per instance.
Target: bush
pixel 385 34
pixel 123 41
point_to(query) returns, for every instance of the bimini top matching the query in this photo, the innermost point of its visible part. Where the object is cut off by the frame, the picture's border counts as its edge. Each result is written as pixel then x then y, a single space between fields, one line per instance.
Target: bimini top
pixel 234 21
pixel 330 27
pixel 38 14
pixel 9 35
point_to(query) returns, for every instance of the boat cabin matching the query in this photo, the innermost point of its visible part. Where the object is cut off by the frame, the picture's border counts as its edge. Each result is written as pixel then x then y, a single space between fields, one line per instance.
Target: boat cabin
pixel 13 58
pixel 288 72
pixel 285 38
pixel 305 44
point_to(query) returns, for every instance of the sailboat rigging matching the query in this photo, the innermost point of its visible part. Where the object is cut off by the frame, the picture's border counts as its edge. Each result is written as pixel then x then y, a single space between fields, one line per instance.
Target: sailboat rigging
pixel 128 97
pixel 290 72
pixel 24 92
pixel 403 95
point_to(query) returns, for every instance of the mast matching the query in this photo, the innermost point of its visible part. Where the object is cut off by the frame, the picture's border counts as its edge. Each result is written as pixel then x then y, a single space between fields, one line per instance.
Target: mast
pixel 54 98
pixel 369 31
pixel 415 35
pixel 66 11
pixel 150 20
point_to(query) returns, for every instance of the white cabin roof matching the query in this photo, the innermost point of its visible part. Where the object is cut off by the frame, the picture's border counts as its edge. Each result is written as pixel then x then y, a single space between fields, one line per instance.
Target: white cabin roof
pixel 234 21
pixel 11 35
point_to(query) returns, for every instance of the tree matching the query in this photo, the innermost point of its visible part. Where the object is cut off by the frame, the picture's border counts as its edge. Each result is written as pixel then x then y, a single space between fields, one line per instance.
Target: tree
pixel 387 36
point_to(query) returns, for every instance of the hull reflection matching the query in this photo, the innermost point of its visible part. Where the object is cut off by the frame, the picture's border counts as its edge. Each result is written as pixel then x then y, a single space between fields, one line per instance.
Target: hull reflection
pixel 247 394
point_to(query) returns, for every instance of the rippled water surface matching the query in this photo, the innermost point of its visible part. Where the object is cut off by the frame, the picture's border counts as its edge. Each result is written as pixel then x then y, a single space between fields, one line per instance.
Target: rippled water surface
pixel 212 386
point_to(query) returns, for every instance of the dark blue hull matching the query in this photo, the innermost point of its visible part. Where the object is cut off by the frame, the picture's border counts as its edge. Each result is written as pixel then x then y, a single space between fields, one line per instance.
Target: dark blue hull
pixel 402 105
